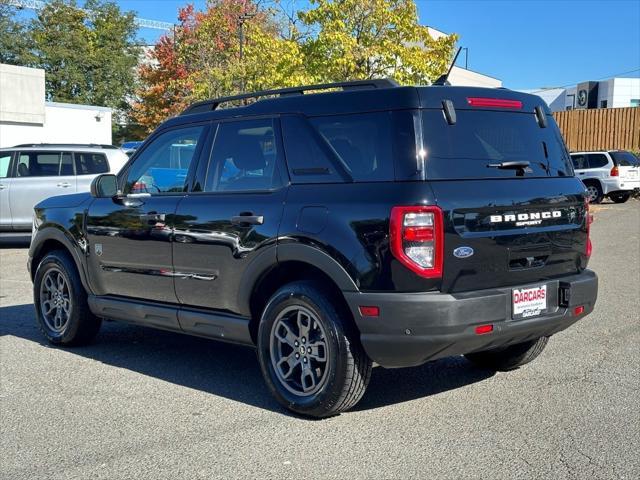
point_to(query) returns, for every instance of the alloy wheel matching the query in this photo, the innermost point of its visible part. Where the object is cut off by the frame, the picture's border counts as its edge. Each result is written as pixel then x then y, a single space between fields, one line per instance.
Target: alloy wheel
pixel 592 192
pixel 55 301
pixel 299 351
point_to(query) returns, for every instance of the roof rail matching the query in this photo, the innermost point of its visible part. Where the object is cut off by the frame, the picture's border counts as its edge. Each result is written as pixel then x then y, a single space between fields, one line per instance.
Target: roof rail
pixel 213 104
pixel 90 145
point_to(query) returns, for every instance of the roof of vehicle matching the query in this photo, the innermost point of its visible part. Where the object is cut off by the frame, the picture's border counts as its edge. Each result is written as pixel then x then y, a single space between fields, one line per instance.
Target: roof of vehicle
pixel 57 146
pixel 580 152
pixel 355 97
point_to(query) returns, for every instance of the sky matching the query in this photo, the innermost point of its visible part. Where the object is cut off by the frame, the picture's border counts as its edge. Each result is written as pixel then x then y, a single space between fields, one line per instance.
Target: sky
pixel 525 43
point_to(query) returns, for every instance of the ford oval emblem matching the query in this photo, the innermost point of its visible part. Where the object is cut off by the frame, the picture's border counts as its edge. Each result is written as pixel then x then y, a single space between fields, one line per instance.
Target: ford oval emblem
pixel 463 252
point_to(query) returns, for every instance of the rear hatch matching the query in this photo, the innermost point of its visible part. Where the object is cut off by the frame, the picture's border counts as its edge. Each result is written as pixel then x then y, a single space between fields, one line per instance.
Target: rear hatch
pixel 502 175
pixel 628 168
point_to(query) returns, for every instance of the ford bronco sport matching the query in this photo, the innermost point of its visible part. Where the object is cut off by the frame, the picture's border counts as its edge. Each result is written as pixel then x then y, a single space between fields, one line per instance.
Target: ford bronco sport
pixel 364 223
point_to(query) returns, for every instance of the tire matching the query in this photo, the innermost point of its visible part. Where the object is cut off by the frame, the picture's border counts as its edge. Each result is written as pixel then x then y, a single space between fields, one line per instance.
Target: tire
pixel 302 321
pixel 509 358
pixel 62 311
pixel 620 197
pixel 594 192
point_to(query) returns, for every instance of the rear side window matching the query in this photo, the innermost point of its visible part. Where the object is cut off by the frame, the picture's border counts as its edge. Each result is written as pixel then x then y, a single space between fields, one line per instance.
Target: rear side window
pixel 362 142
pixel 44 164
pixel 5 161
pixel 624 159
pixel 597 160
pixel 91 163
pixel 245 157
pixel 579 162
pixel 482 137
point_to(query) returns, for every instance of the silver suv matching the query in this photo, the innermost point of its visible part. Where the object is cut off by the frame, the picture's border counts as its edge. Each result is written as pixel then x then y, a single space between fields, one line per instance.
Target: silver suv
pixel 31 173
pixel 611 173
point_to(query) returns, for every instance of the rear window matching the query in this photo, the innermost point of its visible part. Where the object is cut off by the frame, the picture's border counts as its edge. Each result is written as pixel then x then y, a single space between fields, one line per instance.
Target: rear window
pixel 482 137
pixel 91 163
pixel 625 159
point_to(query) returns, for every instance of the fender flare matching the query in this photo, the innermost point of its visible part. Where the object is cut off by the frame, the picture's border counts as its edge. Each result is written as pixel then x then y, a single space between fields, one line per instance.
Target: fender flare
pixel 283 252
pixel 55 233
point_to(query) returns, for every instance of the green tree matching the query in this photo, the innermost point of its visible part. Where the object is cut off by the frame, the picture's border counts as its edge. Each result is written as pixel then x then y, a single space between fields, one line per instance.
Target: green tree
pixel 89 55
pixel 14 38
pixel 354 39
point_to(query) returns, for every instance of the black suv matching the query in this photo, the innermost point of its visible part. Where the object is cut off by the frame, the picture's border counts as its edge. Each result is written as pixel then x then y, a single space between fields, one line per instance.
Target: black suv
pixel 368 223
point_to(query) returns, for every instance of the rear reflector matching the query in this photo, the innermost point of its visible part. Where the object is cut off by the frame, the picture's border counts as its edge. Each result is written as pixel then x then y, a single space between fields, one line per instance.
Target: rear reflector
pixel 482 329
pixel 494 102
pixel 578 310
pixel 369 311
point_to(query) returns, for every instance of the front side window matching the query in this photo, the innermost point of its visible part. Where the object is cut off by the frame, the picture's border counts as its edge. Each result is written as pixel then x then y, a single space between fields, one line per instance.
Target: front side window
pixel 5 161
pixel 91 163
pixel 244 158
pixel 44 164
pixel 163 166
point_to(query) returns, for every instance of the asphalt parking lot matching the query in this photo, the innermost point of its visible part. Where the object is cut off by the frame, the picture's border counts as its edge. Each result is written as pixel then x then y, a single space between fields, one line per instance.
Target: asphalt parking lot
pixel 141 403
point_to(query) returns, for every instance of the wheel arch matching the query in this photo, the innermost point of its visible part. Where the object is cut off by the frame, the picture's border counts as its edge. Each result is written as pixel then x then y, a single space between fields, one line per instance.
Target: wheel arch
pixel 296 264
pixel 49 239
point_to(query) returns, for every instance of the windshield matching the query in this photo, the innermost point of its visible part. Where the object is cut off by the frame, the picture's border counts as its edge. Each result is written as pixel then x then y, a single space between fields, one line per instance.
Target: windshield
pixel 480 138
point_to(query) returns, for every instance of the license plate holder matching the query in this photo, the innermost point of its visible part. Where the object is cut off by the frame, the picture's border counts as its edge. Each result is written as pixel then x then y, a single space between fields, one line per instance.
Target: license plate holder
pixel 529 302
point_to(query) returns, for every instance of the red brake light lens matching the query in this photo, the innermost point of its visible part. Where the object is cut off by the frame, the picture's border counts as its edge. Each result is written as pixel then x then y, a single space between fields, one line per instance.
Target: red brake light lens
pixel 494 102
pixel 417 239
pixel 484 329
pixel 615 172
pixel 589 221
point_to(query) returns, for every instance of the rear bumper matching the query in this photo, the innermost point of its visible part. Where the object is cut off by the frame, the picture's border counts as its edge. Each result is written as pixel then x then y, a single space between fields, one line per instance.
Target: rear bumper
pixel 413 328
pixel 616 184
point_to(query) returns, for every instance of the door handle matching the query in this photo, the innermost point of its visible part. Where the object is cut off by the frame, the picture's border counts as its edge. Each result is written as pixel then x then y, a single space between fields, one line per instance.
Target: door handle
pixel 2 186
pixel 580 173
pixel 247 218
pixel 64 184
pixel 152 217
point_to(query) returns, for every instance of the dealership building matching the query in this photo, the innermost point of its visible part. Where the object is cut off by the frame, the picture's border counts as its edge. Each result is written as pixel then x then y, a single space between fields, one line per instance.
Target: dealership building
pixel 614 92
pixel 25 116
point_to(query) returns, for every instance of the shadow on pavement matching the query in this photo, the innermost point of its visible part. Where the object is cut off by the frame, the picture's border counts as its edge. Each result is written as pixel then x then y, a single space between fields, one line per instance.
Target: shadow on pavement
pixel 231 371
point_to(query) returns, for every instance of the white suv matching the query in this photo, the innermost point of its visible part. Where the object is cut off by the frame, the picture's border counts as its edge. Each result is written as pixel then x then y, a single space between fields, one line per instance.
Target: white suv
pixel 612 173
pixel 31 173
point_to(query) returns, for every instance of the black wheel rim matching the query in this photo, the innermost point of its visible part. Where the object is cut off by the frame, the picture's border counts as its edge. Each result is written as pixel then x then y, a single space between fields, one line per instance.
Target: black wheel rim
pixel 55 300
pixel 299 353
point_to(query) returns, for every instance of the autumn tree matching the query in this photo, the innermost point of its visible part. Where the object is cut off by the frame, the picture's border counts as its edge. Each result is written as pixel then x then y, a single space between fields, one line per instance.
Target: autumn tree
pixel 355 39
pixel 15 44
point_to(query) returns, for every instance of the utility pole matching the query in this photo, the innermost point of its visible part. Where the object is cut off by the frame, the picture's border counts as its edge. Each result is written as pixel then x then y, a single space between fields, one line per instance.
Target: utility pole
pixel 241 19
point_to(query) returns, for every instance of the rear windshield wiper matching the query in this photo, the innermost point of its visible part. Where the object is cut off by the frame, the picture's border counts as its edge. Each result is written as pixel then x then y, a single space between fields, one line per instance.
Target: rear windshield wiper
pixel 521 167
pixel 509 165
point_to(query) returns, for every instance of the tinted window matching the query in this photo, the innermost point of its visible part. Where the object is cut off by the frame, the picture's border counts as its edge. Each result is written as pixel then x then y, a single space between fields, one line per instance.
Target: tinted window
pixel 244 157
pixel 44 164
pixel 162 167
pixel 5 160
pixel 624 159
pixel 91 163
pixel 308 160
pixel 597 160
pixel 481 137
pixel 579 162
pixel 362 142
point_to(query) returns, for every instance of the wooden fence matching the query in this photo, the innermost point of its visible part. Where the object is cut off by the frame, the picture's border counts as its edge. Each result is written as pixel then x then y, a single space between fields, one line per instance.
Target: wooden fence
pixel 602 128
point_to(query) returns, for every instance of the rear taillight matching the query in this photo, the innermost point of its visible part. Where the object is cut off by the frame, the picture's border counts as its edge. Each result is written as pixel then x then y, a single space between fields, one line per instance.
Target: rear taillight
pixel 417 239
pixel 589 221
pixel 615 172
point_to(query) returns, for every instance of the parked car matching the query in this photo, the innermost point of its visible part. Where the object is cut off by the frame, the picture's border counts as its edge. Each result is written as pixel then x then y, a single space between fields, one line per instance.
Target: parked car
pixel 130 147
pixel 372 223
pixel 33 172
pixel 611 173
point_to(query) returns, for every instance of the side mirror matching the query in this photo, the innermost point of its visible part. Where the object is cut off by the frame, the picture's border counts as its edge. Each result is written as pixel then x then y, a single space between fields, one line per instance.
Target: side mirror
pixel 104 186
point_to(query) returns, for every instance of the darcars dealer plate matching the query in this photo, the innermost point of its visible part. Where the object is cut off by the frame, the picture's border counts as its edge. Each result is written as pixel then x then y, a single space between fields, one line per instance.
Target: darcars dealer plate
pixel 529 302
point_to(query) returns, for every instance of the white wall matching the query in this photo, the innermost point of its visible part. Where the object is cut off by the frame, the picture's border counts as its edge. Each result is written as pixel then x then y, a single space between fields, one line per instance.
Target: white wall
pixel 25 117
pixel 21 94
pixel 624 90
pixel 468 78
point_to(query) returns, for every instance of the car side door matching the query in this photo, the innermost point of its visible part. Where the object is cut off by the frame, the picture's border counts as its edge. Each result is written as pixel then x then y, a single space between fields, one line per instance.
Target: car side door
pixel 129 236
pixel 5 185
pixel 229 224
pixel 38 175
